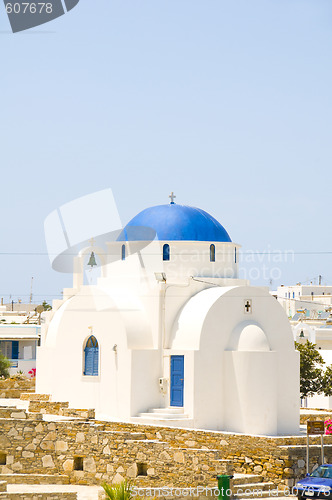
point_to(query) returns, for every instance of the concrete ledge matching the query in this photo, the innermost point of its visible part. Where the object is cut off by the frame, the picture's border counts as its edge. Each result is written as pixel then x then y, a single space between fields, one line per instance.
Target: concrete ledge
pixel 38 496
pixel 34 479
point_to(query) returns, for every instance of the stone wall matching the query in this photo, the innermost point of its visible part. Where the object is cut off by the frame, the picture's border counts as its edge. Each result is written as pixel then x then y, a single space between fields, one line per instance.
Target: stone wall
pixel 14 386
pixel 60 408
pixel 278 459
pixel 88 452
pixel 315 416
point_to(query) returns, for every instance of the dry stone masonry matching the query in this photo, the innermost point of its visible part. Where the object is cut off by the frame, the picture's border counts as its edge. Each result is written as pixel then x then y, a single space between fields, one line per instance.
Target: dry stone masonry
pixel 82 450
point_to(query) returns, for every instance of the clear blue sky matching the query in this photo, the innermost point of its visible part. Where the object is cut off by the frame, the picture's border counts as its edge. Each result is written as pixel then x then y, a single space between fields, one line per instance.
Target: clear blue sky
pixel 226 102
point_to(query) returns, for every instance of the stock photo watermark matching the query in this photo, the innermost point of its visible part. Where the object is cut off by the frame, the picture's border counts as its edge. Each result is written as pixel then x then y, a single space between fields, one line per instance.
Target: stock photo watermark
pixel 24 15
pixel 206 491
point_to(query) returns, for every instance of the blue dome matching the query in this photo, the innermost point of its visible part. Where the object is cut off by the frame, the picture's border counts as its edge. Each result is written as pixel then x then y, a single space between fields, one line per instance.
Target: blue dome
pixel 174 223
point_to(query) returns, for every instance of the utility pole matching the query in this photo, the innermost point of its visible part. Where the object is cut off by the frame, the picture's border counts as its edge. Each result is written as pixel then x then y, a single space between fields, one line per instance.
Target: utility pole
pixel 31 290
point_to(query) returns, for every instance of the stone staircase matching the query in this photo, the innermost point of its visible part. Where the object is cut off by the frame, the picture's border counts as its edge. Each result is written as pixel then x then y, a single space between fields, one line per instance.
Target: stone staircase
pixel 253 486
pixel 160 414
pixel 243 486
pixel 41 404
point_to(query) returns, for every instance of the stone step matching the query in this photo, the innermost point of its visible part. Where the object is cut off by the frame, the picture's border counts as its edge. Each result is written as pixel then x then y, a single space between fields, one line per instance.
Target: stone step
pixel 48 407
pixel 164 416
pixel 11 393
pixel 9 412
pixel 170 409
pixel 182 423
pixel 247 478
pixel 34 479
pixel 32 396
pixel 248 487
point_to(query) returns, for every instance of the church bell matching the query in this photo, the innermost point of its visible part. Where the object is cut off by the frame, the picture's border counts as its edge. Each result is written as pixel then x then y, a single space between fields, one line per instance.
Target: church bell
pixel 92 261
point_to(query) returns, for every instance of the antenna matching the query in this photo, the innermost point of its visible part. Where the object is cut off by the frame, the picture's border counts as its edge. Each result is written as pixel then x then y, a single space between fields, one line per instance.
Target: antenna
pixel 31 290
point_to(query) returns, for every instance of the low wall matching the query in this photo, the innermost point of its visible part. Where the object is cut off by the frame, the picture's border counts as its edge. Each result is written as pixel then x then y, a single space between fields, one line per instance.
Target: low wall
pixel 60 408
pixel 13 387
pixel 91 453
pixel 88 452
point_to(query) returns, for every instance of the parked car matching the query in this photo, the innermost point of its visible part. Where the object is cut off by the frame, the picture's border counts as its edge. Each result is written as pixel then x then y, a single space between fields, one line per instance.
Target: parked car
pixel 317 484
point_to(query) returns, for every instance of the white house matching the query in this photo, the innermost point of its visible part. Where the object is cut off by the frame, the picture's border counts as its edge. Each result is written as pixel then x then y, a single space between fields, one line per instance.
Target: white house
pixel 19 335
pixel 310 308
pixel 170 335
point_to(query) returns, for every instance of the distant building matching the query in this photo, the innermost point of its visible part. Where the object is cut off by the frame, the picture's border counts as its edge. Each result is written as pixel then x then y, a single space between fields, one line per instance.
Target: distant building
pixel 314 299
pixel 19 336
pixel 309 308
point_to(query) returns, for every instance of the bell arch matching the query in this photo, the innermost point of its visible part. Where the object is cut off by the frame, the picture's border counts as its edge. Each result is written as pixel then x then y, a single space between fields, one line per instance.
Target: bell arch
pixel 95 257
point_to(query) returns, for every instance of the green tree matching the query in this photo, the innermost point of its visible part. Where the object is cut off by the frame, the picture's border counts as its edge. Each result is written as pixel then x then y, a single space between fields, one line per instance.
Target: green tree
pixel 311 369
pixel 327 381
pixel 46 306
pixel 4 366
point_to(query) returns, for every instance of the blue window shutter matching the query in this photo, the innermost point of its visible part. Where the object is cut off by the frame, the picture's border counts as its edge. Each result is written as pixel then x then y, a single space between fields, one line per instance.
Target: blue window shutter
pixel 88 361
pixel 91 361
pixel 15 349
pixel 95 361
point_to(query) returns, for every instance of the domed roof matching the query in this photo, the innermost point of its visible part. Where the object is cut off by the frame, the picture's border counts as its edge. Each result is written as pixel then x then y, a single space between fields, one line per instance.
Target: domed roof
pixel 174 223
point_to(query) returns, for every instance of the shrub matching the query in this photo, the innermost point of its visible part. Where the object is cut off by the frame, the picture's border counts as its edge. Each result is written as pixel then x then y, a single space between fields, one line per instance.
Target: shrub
pixel 120 491
pixel 4 366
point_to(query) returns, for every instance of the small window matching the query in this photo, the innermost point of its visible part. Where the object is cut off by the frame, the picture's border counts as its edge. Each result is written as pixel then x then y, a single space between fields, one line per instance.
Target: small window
pixel 166 252
pixel 212 253
pixel 91 357
pixel 142 469
pixel 3 458
pixel 78 463
pixel 293 295
pixel 123 252
pixel 235 255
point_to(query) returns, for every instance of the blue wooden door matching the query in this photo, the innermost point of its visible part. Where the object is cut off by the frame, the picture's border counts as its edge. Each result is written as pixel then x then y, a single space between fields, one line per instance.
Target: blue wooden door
pixel 177 376
pixel 15 349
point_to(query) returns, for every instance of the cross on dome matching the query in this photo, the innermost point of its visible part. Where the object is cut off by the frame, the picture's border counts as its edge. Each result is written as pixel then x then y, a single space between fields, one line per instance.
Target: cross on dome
pixel 172 196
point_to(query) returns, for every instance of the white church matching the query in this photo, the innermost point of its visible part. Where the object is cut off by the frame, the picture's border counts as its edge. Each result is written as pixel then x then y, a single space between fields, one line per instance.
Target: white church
pixel 170 335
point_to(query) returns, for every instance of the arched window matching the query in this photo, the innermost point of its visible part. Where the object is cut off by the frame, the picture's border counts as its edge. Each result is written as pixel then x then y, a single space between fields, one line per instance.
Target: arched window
pixel 123 252
pixel 91 355
pixel 212 253
pixel 166 252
